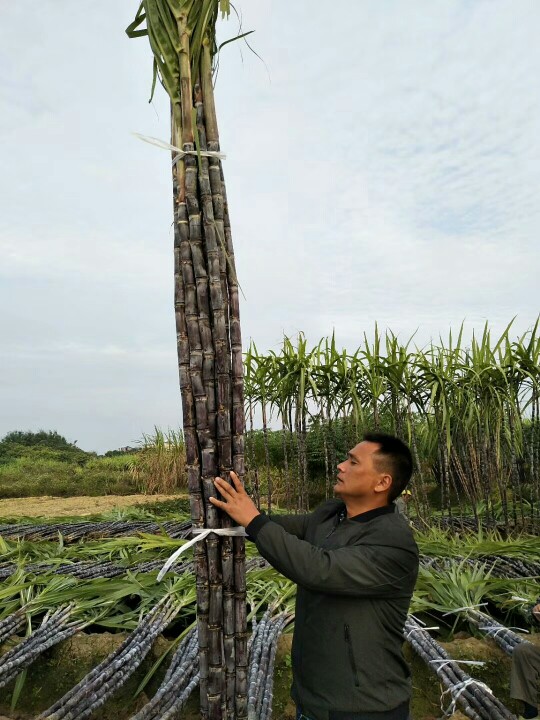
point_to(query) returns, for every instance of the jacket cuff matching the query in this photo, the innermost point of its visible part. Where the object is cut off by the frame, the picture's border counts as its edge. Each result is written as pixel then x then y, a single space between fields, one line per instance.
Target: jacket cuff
pixel 254 527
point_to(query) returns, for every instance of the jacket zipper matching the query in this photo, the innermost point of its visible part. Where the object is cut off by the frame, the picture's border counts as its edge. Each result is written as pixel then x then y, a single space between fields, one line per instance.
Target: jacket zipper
pixel 351 655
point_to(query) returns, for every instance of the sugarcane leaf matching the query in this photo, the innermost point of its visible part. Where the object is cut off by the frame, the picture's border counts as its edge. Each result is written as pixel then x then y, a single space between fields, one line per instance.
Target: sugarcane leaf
pixel 238 37
pixel 154 79
pixel 138 33
pixel 155 666
pixel 169 24
pixel 131 30
pixel 17 690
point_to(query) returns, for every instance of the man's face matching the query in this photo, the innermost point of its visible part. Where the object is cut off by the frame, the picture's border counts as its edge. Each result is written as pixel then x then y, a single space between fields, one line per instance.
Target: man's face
pixel 360 475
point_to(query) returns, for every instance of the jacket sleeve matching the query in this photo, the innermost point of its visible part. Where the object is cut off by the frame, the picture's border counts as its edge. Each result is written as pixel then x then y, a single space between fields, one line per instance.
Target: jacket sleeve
pixel 355 570
pixel 293 524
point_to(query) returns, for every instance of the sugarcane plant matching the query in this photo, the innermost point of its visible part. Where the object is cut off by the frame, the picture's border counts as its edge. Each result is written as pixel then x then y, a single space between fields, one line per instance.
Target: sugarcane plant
pixel 470 414
pixel 182 37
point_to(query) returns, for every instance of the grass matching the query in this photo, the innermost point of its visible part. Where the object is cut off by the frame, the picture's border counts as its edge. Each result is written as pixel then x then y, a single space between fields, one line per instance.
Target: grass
pixel 33 471
pixel 46 464
pixel 31 476
pixel 42 510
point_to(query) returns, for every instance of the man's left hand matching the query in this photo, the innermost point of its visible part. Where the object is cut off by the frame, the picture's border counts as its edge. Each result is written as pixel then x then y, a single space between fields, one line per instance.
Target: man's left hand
pixel 238 504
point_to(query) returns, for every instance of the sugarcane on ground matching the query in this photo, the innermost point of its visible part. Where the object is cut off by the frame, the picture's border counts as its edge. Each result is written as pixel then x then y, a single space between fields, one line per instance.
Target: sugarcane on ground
pixel 62 666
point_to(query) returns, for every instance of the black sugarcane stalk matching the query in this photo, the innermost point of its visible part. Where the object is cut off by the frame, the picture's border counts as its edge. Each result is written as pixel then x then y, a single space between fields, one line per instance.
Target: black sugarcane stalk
pixel 98 685
pixel 504 637
pixel 473 696
pixel 182 668
pixel 12 624
pixel 132 637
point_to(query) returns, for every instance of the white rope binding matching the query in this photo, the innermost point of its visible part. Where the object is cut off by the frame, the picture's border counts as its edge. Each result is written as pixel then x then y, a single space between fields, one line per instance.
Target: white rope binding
pixel 465 607
pixel 415 630
pixel 446 661
pixel 494 629
pixel 456 690
pixel 180 153
pixel 200 534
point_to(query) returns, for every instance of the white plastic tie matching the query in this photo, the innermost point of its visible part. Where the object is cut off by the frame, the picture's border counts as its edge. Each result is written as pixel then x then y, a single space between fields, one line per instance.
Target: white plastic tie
pixel 199 535
pixel 465 607
pixel 456 690
pixel 445 661
pixel 494 629
pixel 420 629
pixel 179 152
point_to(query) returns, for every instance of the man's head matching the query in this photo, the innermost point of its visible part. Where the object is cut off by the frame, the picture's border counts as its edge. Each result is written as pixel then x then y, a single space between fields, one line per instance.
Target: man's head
pixel 376 470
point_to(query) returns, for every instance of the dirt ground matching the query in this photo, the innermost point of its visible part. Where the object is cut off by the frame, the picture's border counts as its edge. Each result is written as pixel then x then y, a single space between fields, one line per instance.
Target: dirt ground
pixel 57 670
pixel 83 505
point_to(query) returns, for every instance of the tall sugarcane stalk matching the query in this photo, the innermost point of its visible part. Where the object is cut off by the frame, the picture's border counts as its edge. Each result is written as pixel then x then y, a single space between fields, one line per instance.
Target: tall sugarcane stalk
pixel 182 37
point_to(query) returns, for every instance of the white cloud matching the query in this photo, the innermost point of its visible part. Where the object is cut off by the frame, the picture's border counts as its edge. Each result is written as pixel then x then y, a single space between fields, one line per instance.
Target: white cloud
pixel 386 171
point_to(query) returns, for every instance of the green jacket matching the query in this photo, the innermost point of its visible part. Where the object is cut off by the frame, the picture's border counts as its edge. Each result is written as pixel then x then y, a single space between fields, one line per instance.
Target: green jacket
pixel 355 580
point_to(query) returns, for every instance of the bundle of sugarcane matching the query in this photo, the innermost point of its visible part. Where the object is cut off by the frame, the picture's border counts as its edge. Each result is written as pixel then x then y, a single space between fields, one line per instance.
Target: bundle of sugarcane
pixel 75 531
pixel 496 565
pixel 11 624
pixel 55 628
pixel 181 678
pixel 105 679
pixel 182 38
pixel 511 567
pixel 474 698
pixel 261 663
pixel 89 570
pixel 505 638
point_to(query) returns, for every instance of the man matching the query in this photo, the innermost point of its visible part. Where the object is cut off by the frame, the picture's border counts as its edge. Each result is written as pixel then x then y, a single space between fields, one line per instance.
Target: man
pixel 525 673
pixel 355 563
pixel 402 501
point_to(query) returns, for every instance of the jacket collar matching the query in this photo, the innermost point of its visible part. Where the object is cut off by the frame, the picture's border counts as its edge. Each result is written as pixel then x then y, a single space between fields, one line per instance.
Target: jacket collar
pixel 368 515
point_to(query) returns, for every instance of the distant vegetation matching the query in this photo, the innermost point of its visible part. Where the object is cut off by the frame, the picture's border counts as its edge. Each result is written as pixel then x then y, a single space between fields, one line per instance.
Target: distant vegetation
pixel 45 463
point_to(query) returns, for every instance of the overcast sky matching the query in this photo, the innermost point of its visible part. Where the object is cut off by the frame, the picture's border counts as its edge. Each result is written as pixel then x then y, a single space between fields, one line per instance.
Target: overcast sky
pixel 383 164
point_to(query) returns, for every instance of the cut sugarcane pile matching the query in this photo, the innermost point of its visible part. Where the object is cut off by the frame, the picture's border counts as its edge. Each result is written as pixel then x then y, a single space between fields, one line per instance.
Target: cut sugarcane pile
pixel 96 687
pixel 496 565
pixel 11 624
pixel 263 648
pixel 88 570
pixel 71 532
pixel 55 628
pixel 505 638
pixel 181 679
pixel 474 698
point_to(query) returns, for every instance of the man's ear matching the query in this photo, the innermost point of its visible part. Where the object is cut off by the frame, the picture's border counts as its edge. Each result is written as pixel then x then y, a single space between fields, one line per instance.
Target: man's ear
pixel 384 484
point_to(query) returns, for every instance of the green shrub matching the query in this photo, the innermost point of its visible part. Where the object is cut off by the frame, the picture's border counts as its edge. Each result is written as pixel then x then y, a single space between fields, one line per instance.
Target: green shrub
pixel 41 472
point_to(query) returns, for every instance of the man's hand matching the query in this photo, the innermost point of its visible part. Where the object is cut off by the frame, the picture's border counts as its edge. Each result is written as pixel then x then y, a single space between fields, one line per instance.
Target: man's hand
pixel 239 505
pixel 536 611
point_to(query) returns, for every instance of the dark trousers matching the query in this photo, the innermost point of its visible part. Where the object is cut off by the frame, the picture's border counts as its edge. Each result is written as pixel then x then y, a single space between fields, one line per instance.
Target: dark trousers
pixel 525 673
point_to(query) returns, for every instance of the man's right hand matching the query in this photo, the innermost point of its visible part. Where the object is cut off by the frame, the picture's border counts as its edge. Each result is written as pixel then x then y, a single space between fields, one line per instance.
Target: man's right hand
pixel 536 611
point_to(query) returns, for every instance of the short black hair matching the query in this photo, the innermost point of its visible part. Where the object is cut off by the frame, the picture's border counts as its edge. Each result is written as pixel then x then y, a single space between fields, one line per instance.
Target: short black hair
pixel 396 459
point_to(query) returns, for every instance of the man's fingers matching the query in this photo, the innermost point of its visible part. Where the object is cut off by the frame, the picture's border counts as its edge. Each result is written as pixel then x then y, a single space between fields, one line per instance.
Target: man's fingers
pixel 218 503
pixel 236 480
pixel 224 488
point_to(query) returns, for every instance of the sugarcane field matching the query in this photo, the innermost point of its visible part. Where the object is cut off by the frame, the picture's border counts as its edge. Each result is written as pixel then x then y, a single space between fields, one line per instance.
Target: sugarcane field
pixel 324 503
